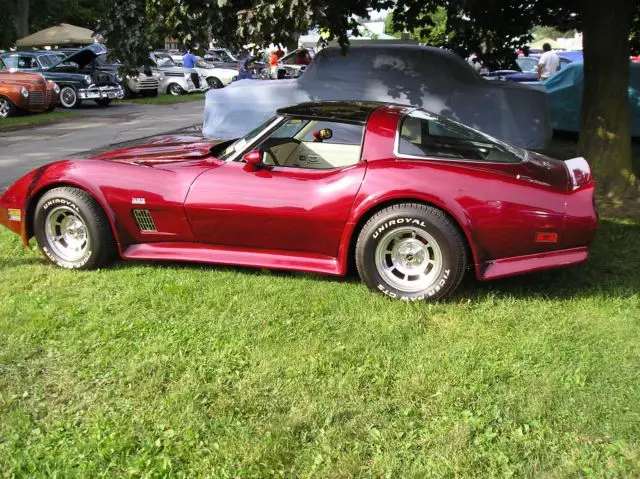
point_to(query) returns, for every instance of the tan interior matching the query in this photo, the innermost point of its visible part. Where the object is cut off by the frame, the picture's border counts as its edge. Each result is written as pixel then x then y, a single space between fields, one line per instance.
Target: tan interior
pixel 319 156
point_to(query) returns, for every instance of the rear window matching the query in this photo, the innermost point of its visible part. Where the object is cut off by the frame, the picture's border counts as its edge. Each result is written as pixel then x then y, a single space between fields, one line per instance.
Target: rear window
pixel 426 136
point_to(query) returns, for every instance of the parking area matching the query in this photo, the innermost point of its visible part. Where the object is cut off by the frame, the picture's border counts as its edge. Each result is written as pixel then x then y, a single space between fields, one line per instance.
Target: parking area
pixel 23 149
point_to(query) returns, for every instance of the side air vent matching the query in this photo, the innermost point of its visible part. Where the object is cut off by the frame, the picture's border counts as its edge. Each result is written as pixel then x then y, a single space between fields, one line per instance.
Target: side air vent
pixel 145 221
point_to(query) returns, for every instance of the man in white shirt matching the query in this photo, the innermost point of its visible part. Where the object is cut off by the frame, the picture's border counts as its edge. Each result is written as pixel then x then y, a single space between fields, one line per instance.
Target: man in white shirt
pixel 548 64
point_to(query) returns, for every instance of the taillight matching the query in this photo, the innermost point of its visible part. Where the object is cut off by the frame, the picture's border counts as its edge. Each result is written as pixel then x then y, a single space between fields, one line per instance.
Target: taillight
pixel 579 172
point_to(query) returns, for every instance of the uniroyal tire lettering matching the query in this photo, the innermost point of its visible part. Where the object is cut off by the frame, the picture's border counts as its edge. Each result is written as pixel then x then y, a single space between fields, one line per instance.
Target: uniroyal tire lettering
pixel 59 201
pixel 399 221
pixel 438 286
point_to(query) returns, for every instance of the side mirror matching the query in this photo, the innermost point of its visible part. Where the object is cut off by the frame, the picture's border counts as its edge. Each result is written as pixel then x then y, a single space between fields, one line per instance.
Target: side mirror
pixel 321 135
pixel 253 158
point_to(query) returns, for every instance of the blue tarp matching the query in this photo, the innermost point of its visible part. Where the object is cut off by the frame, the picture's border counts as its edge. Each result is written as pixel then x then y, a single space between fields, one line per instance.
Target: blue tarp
pixel 564 96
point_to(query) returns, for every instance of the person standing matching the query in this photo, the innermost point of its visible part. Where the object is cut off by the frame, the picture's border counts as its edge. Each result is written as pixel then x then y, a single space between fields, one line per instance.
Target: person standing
pixel 548 64
pixel 189 59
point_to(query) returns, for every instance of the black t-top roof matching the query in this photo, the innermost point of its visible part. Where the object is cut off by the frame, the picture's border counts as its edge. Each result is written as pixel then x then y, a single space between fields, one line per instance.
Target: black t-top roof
pixel 351 111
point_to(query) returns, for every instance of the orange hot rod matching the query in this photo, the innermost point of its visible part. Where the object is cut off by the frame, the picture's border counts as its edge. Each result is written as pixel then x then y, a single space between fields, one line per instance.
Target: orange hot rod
pixel 25 91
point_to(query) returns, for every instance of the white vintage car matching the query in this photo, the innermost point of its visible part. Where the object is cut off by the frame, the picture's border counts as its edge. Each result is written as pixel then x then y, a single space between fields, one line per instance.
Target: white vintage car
pixel 177 80
pixel 215 77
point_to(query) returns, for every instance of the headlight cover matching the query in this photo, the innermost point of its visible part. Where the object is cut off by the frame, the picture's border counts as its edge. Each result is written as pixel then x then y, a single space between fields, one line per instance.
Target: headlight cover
pixel 87 79
pixel 56 88
pixel 24 92
pixel 118 77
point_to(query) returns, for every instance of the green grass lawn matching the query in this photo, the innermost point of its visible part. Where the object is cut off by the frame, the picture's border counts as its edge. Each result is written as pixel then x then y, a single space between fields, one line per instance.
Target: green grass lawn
pixel 150 370
pixel 165 99
pixel 36 118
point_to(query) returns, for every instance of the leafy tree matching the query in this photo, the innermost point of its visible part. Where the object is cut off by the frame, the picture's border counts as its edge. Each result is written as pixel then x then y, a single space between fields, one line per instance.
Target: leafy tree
pixel 432 32
pixel 541 31
pixel 500 27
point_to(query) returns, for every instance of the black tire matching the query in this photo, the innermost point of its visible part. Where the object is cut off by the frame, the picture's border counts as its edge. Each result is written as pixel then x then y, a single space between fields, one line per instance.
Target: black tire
pixel 103 102
pixel 128 92
pixel 426 234
pixel 175 89
pixel 7 108
pixel 68 202
pixel 69 97
pixel 214 83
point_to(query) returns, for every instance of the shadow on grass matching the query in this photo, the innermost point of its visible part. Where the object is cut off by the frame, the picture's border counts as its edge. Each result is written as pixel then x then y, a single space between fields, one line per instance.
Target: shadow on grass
pixel 613 269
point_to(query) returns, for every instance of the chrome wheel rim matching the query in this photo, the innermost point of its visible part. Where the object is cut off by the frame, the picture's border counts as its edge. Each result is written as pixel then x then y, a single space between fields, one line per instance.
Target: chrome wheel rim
pixel 68 97
pixel 175 90
pixel 214 83
pixel 66 233
pixel 5 108
pixel 409 259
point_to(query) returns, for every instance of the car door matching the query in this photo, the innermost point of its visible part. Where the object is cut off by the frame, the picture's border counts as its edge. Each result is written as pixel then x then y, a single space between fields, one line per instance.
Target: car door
pixel 273 207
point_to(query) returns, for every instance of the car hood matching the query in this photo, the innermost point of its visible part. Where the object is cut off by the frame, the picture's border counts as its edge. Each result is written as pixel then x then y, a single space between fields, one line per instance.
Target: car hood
pixel 84 56
pixel 171 149
pixel 21 78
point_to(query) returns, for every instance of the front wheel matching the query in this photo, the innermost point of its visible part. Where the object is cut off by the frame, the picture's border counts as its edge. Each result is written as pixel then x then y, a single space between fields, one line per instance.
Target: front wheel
pixel 7 108
pixel 175 90
pixel 72 230
pixel 411 252
pixel 69 97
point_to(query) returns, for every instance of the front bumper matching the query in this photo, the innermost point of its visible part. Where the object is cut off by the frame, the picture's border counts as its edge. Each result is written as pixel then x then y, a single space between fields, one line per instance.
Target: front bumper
pixel 100 93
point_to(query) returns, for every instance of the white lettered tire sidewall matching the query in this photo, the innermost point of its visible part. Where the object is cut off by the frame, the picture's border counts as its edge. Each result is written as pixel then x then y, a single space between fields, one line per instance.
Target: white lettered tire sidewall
pixel 432 221
pixel 101 245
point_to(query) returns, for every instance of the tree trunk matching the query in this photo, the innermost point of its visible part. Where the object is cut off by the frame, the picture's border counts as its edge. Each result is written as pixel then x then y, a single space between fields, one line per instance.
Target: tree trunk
pixel 21 18
pixel 605 135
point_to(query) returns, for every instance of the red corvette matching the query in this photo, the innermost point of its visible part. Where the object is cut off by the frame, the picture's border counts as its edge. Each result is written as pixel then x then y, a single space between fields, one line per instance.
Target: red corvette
pixel 412 198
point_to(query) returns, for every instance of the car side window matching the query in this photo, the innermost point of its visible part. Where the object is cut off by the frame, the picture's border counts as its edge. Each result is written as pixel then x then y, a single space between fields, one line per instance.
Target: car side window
pixel 424 136
pixel 26 62
pixel 313 144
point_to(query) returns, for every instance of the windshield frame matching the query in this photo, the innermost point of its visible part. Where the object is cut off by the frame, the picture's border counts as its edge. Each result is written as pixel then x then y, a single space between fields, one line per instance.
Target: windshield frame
pixel 167 61
pixel 520 153
pixel 245 143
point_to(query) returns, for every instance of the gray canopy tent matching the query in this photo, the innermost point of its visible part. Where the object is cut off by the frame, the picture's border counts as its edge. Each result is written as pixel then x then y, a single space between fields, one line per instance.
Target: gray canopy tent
pixel 60 35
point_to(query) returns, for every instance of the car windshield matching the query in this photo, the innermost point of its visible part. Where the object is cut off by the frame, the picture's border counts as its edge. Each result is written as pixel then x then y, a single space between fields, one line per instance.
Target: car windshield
pixel 203 64
pixel 240 143
pixel 164 60
pixel 11 61
pixel 49 60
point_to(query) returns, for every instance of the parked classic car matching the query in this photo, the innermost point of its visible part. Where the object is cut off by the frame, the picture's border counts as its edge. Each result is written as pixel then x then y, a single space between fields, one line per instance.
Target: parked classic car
pixel 222 58
pixel 25 91
pixel 65 71
pixel 145 83
pixel 177 80
pixel 214 76
pixel 412 198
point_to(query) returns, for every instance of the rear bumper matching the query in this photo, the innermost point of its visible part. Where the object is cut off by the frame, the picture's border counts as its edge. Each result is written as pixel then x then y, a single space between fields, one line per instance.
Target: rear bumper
pixel 504 267
pixel 100 93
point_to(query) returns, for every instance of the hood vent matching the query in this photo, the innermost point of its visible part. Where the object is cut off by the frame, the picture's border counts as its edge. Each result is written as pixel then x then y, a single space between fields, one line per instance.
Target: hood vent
pixel 145 221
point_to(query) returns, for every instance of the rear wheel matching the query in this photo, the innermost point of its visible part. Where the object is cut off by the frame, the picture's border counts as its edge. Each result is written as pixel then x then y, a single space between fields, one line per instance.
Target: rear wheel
pixel 72 230
pixel 214 82
pixel 7 108
pixel 411 252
